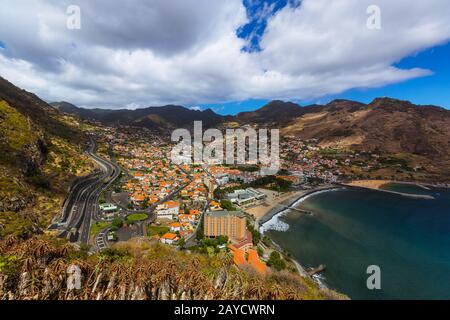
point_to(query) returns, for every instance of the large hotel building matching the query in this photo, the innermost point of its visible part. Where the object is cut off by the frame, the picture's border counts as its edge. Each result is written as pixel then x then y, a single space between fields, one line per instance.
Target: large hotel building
pixel 225 223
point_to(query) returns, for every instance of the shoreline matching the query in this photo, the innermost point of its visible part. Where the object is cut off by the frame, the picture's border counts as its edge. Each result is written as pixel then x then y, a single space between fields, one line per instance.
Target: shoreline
pixel 289 203
pixel 377 185
pixel 370 184
pixel 259 212
pixel 281 207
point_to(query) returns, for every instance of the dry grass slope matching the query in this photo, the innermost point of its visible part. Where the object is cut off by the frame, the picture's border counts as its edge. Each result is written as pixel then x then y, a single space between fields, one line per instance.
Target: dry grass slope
pixel 36 269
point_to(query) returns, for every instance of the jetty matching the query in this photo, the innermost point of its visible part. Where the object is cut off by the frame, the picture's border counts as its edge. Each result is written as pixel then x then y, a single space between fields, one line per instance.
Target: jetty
pixel 410 195
pixel 319 269
pixel 284 207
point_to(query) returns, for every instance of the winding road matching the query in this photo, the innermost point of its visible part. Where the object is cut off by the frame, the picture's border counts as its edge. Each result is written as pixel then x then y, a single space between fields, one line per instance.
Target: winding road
pixel 81 206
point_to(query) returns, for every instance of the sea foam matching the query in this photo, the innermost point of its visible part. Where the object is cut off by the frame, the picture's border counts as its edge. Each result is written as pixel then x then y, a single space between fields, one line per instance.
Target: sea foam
pixel 276 224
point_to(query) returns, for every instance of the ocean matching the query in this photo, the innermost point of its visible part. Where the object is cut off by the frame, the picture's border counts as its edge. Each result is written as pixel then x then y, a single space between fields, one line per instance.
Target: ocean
pixel 352 229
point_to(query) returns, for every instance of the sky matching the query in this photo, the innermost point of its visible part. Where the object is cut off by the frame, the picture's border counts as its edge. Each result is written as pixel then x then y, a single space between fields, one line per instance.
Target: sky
pixel 230 56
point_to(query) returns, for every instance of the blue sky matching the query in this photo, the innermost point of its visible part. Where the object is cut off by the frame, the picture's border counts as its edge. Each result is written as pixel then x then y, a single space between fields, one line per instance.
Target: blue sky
pixel 258 12
pixel 429 90
pixel 231 56
pixel 433 89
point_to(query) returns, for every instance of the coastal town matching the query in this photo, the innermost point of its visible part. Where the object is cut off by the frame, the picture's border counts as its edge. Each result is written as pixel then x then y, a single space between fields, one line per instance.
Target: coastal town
pixel 224 151
pixel 204 208
pixel 213 208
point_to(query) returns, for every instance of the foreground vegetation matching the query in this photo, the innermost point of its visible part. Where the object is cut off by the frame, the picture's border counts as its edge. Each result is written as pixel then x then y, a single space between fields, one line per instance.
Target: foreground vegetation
pixel 37 269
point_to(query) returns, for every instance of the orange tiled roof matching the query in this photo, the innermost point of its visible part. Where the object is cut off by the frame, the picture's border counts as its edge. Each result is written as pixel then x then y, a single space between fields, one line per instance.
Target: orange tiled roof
pixel 255 262
pixel 238 256
pixel 169 236
pixel 171 204
pixel 253 259
pixel 175 225
pixel 139 197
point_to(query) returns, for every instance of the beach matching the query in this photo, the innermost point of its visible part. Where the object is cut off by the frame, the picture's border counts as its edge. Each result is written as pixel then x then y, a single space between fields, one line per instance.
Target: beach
pixel 267 211
pixel 371 184
pixel 280 204
pixel 274 202
pixel 383 186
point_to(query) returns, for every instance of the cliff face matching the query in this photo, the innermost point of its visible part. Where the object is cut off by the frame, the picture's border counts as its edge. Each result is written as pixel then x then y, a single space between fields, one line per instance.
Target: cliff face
pixel 39 155
pixel 37 269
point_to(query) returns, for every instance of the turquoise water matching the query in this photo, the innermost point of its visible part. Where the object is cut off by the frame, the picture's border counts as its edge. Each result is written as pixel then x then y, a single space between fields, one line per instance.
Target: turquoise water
pixel 408 238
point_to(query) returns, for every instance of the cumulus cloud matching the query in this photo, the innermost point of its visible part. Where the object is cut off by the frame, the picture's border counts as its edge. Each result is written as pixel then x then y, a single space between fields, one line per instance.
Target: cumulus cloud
pixel 139 53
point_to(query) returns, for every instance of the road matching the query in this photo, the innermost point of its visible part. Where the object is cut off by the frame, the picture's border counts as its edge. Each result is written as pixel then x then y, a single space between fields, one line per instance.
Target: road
pixel 81 206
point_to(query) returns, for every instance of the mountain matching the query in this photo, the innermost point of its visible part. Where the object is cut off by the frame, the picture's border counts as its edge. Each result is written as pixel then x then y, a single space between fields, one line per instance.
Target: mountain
pixel 389 126
pixel 275 112
pixel 385 124
pixel 420 135
pixel 159 118
pixel 38 111
pixel 66 107
pixel 39 155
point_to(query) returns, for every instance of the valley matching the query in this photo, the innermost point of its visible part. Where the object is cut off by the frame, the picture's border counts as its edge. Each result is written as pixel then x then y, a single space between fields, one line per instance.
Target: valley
pixel 116 192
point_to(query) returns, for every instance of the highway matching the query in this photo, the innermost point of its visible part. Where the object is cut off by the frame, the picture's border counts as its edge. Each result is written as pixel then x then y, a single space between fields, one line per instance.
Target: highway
pixel 81 206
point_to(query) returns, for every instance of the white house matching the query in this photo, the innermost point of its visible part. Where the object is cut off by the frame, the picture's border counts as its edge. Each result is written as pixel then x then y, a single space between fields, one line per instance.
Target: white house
pixel 169 238
pixel 175 227
pixel 168 210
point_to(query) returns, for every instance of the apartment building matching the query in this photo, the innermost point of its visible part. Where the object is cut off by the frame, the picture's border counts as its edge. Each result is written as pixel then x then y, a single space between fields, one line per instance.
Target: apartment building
pixel 225 223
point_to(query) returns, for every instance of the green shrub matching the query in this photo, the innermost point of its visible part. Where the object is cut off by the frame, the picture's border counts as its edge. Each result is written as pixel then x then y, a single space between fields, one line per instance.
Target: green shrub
pixel 276 262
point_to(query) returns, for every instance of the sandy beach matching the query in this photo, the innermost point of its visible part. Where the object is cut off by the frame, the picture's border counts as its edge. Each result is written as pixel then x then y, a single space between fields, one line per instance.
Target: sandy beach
pixel 378 184
pixel 276 202
pixel 274 199
pixel 371 184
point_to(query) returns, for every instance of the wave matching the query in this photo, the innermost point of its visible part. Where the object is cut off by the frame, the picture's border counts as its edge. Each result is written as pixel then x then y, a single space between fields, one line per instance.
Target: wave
pixel 276 224
pixel 320 280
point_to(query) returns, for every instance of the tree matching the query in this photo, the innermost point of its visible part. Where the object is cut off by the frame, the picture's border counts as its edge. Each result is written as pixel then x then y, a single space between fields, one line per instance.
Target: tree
pixel 117 223
pixel 227 205
pixel 181 243
pixel 145 203
pixel 256 236
pixel 222 240
pixel 276 262
pixel 260 251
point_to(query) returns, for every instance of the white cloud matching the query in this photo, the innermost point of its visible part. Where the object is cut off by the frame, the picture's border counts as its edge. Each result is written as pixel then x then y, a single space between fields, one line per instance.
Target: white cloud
pixel 140 53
